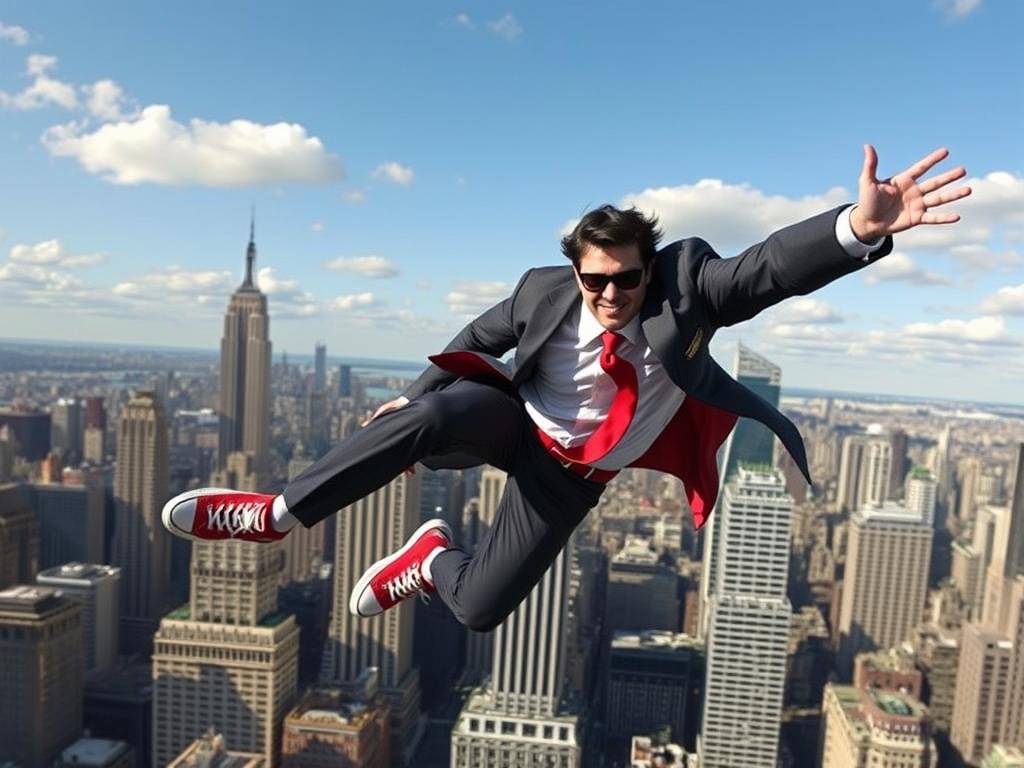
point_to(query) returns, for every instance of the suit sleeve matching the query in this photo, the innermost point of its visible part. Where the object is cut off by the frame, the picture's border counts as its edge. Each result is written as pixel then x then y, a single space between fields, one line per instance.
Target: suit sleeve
pixel 794 261
pixel 493 332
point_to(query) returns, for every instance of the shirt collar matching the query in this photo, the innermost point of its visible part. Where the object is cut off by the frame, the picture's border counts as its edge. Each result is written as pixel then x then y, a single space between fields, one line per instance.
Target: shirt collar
pixel 590 329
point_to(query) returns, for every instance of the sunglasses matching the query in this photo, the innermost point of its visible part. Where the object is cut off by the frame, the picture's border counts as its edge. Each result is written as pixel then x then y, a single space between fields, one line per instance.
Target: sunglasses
pixel 595 282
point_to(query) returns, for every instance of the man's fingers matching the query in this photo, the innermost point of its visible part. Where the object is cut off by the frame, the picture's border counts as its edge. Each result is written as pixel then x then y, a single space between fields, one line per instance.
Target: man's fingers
pixel 940 218
pixel 922 166
pixel 942 180
pixel 867 173
pixel 933 199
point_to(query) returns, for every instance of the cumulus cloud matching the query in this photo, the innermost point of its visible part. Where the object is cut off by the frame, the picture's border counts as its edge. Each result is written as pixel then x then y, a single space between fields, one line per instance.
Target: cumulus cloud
pixel 176 283
pixel 988 329
pixel 286 297
pixel 52 252
pixel 471 297
pixel 156 149
pixel 44 90
pixel 464 20
pixel 352 301
pixel 957 9
pixel 803 310
pixel 395 173
pixel 106 100
pixel 1008 300
pixel 899 267
pixel 506 27
pixel 364 266
pixel 12 33
pixel 354 195
pixel 728 216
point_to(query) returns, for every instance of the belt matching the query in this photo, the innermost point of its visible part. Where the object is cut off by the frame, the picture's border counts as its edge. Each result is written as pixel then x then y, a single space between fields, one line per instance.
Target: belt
pixel 585 471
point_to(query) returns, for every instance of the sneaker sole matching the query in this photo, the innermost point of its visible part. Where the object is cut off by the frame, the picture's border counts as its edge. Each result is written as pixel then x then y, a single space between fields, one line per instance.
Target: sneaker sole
pixel 377 567
pixel 165 514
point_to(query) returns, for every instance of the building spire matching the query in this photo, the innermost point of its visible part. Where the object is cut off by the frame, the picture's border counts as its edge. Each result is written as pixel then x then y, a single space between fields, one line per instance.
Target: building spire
pixel 250 252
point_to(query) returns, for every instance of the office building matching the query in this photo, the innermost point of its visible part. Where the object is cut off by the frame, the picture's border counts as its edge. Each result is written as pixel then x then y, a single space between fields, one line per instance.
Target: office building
pixel 72 521
pixel 245 356
pixel 211 751
pixel 19 536
pixel 749 624
pixel 921 493
pixel 30 431
pixel 331 727
pixel 66 430
pixel 886 580
pixel 983 681
pixel 865 470
pixel 97 753
pixel 749 443
pixel 643 592
pixel 883 729
pixel 40 674
pixel 97 588
pixel 320 367
pixel 141 547
pixel 369 529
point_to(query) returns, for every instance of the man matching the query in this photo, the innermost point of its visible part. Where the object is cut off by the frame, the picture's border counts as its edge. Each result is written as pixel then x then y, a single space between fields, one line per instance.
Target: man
pixel 611 370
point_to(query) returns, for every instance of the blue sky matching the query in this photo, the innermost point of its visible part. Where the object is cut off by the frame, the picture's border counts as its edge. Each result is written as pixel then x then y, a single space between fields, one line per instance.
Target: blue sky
pixel 407 161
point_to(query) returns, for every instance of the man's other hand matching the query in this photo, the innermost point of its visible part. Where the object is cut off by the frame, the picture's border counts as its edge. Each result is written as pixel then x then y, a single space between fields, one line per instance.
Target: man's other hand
pixel 887 206
pixel 392 405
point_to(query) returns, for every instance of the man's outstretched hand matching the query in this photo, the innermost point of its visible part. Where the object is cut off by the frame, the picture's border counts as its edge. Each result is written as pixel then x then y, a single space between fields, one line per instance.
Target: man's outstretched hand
pixel 887 206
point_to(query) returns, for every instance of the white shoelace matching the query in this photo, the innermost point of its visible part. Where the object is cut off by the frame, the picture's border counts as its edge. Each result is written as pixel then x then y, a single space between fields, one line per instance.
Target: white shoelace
pixel 235 519
pixel 407 584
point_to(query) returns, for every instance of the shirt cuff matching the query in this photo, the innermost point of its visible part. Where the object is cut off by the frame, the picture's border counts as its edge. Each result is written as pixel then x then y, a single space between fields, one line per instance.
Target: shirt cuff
pixel 854 247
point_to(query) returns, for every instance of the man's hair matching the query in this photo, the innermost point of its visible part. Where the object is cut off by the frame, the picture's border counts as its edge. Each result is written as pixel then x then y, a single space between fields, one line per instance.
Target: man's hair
pixel 609 225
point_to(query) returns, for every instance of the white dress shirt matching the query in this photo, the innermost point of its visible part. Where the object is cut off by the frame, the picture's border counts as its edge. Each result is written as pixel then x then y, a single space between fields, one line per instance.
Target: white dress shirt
pixel 570 394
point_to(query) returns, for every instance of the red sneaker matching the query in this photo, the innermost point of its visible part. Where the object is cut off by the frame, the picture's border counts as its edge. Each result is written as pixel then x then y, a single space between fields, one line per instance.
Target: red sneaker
pixel 215 514
pixel 400 575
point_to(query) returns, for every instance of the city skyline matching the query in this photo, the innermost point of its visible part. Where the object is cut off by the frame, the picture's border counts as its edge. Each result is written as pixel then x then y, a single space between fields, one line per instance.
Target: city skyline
pixel 403 176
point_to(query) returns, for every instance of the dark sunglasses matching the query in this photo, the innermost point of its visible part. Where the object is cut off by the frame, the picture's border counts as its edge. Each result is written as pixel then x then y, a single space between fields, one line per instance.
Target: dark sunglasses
pixel 595 282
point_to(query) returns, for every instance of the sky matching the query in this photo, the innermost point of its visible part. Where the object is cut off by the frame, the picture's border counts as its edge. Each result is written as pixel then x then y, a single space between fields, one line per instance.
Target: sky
pixel 407 161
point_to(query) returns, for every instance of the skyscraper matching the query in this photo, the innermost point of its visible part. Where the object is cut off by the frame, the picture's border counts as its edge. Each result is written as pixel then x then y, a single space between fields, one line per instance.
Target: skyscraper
pixel 245 373
pixel 886 579
pixel 228 658
pixel 19 536
pixel 865 470
pixel 749 625
pixel 66 429
pixel 141 547
pixel 320 367
pixel 97 589
pixel 480 645
pixel 368 530
pixel 749 443
pixel 40 674
pixel 922 493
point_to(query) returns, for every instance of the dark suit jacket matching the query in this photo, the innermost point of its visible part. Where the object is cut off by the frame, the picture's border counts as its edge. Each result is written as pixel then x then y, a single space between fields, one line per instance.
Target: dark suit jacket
pixel 692 294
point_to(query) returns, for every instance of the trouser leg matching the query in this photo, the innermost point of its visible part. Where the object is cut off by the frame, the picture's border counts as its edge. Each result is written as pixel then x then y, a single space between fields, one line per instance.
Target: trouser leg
pixel 467 417
pixel 541 506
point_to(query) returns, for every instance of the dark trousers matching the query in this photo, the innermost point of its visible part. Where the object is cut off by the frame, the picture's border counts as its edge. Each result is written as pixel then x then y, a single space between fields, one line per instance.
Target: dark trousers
pixel 542 504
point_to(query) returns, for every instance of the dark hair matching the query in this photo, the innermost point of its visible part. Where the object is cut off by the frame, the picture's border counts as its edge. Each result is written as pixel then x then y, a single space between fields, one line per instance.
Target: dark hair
pixel 609 225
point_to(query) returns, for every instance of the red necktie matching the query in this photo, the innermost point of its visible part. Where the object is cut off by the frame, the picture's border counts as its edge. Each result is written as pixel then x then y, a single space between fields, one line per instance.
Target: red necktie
pixel 620 414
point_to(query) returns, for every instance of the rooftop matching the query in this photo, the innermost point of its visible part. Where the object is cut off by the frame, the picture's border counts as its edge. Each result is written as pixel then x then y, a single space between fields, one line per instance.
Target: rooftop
pixel 93 751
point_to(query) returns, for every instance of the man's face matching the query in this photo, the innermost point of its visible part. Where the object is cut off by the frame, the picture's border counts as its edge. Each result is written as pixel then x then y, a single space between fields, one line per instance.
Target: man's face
pixel 612 305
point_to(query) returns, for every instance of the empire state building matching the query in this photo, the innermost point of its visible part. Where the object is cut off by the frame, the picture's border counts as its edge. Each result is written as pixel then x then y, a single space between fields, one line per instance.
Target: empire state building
pixel 245 383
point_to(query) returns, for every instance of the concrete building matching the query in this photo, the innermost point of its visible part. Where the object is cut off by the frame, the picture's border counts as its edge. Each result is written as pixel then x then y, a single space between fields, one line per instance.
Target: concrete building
pixel 30 431
pixel 19 536
pixel 865 469
pixel 245 356
pixel 1004 757
pixel 141 547
pixel 983 680
pixel 228 658
pixel 480 645
pixel 66 430
pixel 938 655
pixel 886 580
pixel 72 520
pixel 877 728
pixel 97 588
pixel 654 680
pixel 368 530
pixel 749 625
pixel 750 442
pixel 40 674
pixel 97 753
pixel 330 727
pixel 643 592
pixel 211 751
pixel 921 493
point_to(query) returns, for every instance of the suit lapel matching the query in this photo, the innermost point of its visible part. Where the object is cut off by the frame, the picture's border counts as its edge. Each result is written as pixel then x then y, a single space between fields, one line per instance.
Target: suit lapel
pixel 546 317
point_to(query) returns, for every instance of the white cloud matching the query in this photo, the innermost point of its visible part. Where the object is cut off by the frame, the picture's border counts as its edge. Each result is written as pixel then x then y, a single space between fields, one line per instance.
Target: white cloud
pixel 365 266
pixel 471 297
pixel 352 301
pixel 899 267
pixel 14 34
pixel 354 195
pixel 801 310
pixel 957 9
pixel 986 329
pixel 395 173
pixel 52 252
pixel 728 216
pixel 105 99
pixel 286 297
pixel 1008 300
pixel 44 89
pixel 154 148
pixel 463 20
pixel 176 283
pixel 979 258
pixel 507 27
pixel 317 226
